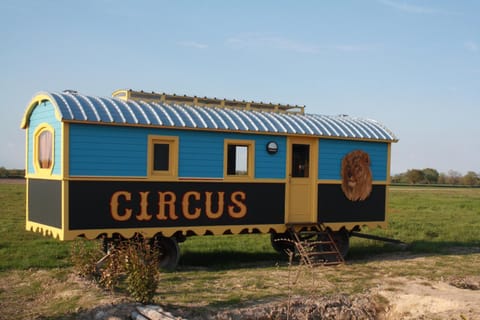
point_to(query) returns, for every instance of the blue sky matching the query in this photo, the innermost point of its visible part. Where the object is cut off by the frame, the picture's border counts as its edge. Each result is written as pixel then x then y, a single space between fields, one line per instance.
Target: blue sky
pixel 412 65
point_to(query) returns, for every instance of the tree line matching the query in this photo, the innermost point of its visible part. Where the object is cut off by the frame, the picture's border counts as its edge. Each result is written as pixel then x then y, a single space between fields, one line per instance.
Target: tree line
pixel 432 176
pixel 11 173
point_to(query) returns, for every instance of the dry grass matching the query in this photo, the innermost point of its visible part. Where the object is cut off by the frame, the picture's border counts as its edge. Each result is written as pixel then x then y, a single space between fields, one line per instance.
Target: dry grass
pixel 56 293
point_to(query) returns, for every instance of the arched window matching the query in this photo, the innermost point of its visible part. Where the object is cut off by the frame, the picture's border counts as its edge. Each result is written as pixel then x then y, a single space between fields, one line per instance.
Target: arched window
pixel 44 143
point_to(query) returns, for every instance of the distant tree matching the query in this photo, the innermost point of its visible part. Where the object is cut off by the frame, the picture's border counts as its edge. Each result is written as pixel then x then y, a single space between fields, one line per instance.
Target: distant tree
pixel 17 173
pixel 454 177
pixel 430 176
pixel 3 172
pixel 442 178
pixel 415 176
pixel 399 178
pixel 471 179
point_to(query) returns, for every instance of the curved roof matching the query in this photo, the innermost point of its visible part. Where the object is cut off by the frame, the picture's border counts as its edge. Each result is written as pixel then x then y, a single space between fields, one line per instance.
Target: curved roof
pixel 72 106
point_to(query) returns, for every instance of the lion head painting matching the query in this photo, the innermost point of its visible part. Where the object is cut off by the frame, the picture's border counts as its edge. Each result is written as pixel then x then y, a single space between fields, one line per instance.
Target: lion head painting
pixel 356 175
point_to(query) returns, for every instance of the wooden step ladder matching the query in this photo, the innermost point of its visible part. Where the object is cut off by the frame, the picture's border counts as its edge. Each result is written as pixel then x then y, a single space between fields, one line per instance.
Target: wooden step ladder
pixel 319 251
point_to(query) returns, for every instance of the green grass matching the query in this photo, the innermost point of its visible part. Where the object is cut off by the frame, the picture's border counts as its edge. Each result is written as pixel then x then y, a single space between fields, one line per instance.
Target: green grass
pixel 20 249
pixel 430 220
pixel 440 225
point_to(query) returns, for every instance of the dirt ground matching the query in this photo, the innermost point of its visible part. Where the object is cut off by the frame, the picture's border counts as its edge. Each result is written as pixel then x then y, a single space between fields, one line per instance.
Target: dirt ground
pixel 418 299
pixel 389 298
pixel 402 298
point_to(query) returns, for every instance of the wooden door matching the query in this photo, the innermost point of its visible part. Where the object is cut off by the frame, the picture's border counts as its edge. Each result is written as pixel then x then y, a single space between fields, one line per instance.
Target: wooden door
pixel 301 181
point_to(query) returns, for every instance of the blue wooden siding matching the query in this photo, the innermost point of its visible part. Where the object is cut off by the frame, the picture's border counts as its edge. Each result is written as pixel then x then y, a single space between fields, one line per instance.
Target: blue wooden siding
pixel 332 152
pixel 270 165
pixel 122 152
pixel 44 113
pixel 201 154
pixel 107 151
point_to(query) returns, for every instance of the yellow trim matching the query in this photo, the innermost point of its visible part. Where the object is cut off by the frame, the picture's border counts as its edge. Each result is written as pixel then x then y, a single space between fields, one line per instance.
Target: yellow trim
pixel 170 231
pixel 387 188
pixel 351 225
pixel 335 226
pixel 65 205
pixel 147 179
pixel 375 182
pixel 172 172
pixel 122 94
pixel 129 94
pixel 27 213
pixel 65 151
pixel 42 127
pixel 40 176
pixel 65 234
pixel 389 154
pixel 250 144
pixel 45 230
pixel 36 100
pixel 311 183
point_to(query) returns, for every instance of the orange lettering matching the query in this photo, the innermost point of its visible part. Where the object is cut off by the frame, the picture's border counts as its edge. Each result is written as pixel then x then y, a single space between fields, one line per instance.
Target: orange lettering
pixel 208 205
pixel 127 214
pixel 186 204
pixel 143 215
pixel 239 209
pixel 163 202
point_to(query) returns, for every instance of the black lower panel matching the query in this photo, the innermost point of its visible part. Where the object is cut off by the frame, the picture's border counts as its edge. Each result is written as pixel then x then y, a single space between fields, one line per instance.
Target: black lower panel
pixel 45 202
pixel 333 206
pixel 117 204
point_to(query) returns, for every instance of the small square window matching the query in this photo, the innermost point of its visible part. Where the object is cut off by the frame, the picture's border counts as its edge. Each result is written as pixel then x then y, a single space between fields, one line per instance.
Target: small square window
pixel 239 158
pixel 237 163
pixel 163 156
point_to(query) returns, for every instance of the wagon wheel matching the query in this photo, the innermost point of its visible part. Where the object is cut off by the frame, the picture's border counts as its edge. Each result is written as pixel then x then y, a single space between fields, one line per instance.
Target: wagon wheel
pixel 168 252
pixel 282 243
pixel 341 239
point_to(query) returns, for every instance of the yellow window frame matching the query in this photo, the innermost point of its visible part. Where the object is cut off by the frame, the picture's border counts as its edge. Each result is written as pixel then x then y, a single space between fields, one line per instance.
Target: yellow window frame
pixel 41 128
pixel 172 142
pixel 250 161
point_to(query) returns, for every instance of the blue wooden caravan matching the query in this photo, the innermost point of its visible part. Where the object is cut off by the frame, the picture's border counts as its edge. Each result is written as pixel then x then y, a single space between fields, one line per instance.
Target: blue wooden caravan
pixel 168 166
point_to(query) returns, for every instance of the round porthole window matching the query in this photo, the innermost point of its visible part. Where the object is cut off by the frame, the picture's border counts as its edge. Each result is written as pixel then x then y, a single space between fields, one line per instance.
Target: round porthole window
pixel 272 147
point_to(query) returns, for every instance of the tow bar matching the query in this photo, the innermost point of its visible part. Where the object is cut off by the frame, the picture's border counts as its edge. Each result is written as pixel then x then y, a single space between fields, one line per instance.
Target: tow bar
pixel 373 237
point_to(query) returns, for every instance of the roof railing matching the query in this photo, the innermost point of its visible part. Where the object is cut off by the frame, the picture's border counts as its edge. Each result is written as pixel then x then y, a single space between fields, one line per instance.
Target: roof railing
pixel 128 94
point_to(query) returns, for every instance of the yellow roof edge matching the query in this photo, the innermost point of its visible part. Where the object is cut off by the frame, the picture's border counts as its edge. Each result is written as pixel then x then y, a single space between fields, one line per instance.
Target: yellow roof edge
pixel 34 102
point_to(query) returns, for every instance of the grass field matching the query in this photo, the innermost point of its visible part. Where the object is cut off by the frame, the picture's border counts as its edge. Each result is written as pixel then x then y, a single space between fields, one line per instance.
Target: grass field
pixel 440 225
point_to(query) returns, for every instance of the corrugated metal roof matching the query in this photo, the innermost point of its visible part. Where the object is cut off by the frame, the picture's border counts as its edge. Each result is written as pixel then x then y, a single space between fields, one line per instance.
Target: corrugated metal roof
pixel 78 107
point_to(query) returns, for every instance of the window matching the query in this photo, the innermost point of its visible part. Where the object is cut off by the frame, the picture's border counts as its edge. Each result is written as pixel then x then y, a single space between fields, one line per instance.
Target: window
pixel 300 160
pixel 239 158
pixel 163 155
pixel 43 149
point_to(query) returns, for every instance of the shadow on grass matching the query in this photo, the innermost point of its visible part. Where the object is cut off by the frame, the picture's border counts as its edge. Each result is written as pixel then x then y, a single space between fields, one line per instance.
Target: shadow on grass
pixel 229 260
pixel 418 248
pixel 221 259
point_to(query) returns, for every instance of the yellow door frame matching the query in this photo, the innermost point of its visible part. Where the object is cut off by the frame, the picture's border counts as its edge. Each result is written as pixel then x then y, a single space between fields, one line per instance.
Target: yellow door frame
pixel 301 191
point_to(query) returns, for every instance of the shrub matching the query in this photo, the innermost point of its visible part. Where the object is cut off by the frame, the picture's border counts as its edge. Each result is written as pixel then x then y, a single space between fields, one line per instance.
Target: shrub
pixel 141 266
pixel 133 259
pixel 84 256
